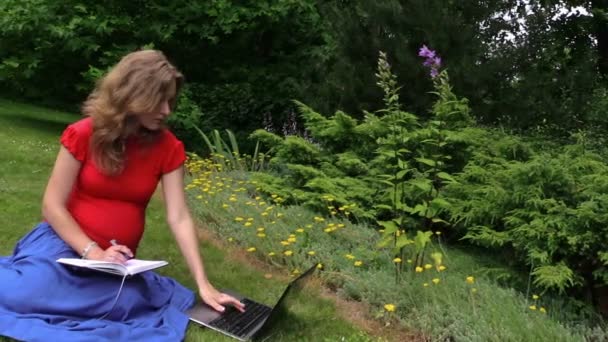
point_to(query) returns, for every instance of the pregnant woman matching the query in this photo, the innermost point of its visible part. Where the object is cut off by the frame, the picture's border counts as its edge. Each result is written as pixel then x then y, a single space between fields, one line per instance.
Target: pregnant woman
pixel 107 168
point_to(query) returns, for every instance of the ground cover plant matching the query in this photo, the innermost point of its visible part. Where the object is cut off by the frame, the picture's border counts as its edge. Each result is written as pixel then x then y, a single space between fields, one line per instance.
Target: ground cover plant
pixel 30 139
pixel 451 295
pixel 374 202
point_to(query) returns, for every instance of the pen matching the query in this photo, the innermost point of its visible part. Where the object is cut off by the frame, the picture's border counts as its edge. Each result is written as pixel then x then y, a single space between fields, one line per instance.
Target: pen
pixel 114 243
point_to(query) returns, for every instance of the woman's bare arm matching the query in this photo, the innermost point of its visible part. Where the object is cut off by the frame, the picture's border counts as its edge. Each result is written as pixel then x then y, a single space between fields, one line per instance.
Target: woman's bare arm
pixel 182 226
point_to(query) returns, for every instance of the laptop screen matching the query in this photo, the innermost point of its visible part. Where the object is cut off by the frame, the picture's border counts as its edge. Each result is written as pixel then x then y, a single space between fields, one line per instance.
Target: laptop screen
pixel 280 310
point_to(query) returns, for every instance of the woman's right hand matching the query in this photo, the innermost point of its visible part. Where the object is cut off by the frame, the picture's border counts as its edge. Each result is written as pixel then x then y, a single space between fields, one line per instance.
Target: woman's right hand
pixel 117 253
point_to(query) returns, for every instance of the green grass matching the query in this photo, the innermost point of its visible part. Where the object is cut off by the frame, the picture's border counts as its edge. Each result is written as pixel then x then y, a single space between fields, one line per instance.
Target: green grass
pixel 29 139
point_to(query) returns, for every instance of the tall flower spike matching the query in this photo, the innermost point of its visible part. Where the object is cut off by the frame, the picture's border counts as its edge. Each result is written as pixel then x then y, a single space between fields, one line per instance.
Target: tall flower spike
pixel 432 60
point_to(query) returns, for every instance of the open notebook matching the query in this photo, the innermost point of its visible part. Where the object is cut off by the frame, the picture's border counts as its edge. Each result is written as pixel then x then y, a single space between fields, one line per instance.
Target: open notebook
pixel 131 267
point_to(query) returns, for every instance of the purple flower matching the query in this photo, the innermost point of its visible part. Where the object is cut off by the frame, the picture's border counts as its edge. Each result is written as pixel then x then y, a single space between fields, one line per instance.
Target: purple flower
pixel 432 61
pixel 426 52
pixel 437 62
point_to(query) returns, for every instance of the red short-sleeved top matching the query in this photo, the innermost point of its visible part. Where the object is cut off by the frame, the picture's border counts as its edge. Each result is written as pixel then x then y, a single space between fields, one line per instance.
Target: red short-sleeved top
pixel 113 207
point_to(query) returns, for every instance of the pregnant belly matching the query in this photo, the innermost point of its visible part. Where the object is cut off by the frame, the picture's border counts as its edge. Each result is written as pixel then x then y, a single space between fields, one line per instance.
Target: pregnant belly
pixel 105 220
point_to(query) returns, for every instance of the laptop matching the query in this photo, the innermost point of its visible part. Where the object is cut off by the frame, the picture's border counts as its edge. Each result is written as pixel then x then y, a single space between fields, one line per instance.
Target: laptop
pixel 258 318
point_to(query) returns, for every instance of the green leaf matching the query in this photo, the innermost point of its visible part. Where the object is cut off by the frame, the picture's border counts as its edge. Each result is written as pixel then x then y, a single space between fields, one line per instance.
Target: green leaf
pixel 426 161
pixel 402 241
pixel 603 256
pixel 385 240
pixel 11 63
pixel 438 220
pixel 421 240
pixel 555 277
pixel 383 206
pixel 401 174
pixel 440 203
pixel 389 226
pixel 419 209
pixel 446 176
pixel 422 183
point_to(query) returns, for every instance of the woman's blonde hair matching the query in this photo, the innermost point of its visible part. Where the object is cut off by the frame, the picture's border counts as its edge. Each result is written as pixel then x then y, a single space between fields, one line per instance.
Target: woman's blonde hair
pixel 138 84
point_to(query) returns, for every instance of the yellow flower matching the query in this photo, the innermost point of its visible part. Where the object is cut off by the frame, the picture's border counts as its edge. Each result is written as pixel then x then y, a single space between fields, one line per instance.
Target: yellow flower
pixel 291 239
pixel 285 243
pixel 299 230
pixel 261 235
pixel 349 256
pixel 425 284
pixel 543 310
pixel 419 269
pixel 532 307
pixel 436 281
pixel 264 214
pixel 230 239
pixel 288 253
pixel 271 254
pixel 428 266
pixel 397 260
pixel 470 280
pixel 251 249
pixel 441 268
pixel 358 263
pixel 437 233
pixel 279 214
pixel 238 219
pixel 319 265
pixel 250 219
pixel 225 205
pixel 389 307
pixel 260 229
pixel 311 253
pixel 247 224
pixel 535 297
pixel 409 261
pixel 199 197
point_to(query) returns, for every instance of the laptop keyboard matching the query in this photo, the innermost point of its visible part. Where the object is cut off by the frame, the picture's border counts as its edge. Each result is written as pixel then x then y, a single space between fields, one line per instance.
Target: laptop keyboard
pixel 240 323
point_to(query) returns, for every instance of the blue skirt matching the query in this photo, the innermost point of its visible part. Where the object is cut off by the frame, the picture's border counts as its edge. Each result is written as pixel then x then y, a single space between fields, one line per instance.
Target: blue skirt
pixel 42 300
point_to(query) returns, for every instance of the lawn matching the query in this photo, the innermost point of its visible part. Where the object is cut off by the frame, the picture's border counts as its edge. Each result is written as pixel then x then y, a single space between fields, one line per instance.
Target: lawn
pixel 29 138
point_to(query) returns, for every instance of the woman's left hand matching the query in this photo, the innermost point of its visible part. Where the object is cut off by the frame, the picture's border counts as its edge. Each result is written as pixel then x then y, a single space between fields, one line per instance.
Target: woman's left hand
pixel 217 300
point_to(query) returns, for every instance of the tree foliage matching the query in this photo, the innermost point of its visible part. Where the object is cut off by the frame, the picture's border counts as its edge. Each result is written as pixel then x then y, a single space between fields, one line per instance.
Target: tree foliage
pixel 520 64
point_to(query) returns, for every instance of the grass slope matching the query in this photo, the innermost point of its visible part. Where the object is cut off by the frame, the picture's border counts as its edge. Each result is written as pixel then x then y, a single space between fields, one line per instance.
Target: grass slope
pixel 29 139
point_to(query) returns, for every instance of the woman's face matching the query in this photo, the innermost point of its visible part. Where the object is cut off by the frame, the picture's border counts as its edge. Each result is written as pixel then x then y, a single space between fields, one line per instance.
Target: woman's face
pixel 155 120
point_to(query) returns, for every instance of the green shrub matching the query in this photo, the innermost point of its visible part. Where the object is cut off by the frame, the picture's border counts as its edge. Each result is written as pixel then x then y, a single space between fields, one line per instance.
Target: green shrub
pixel 551 209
